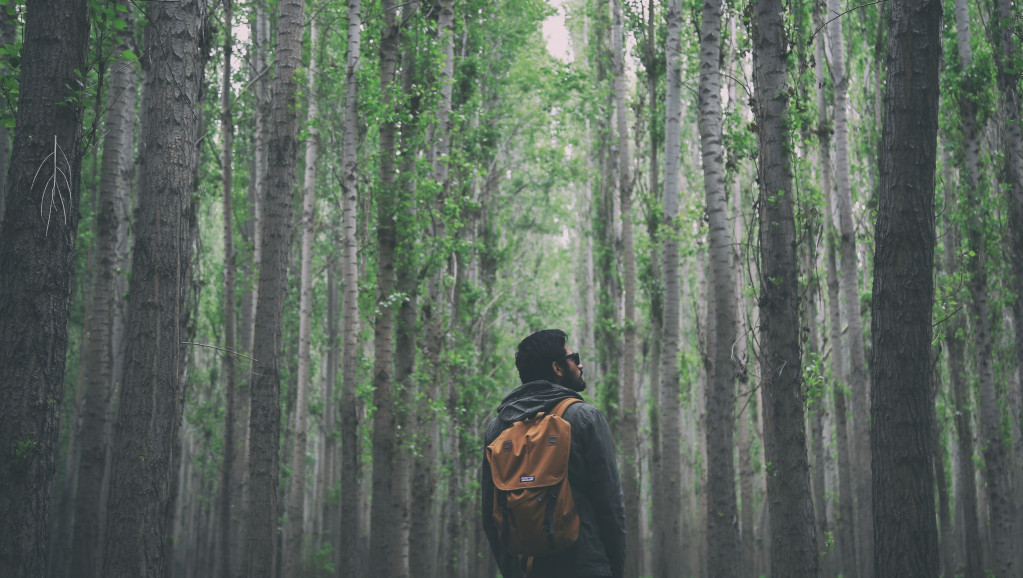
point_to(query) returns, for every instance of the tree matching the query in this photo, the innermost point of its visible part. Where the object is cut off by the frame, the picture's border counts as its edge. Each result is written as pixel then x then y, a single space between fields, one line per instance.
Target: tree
pixel 418 506
pixel 849 284
pixel 296 495
pixel 8 31
pixel 229 510
pixel 845 521
pixel 265 422
pixel 37 247
pixel 152 395
pixel 115 185
pixel 350 503
pixel 629 417
pixel 1011 170
pixel 793 544
pixel 973 207
pixel 669 535
pixel 905 535
pixel 722 514
pixel 387 551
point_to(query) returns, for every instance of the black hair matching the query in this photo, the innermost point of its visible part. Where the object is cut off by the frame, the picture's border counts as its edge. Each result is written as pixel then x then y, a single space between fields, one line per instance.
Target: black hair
pixel 536 352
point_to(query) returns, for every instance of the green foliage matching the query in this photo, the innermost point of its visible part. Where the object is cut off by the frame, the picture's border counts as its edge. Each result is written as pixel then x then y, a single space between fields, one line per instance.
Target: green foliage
pixel 25 449
pixel 815 381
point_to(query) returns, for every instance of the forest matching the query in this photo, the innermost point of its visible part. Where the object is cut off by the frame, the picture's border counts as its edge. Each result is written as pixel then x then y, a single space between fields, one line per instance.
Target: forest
pixel 264 265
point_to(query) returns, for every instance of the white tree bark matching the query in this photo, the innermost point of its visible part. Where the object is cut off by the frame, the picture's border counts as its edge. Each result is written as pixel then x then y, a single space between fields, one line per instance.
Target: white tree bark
pixel 669 532
pixel 857 376
pixel 296 496
pixel 350 502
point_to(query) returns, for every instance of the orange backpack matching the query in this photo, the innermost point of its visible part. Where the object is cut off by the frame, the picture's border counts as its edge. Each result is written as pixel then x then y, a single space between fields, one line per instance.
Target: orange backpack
pixel 533 507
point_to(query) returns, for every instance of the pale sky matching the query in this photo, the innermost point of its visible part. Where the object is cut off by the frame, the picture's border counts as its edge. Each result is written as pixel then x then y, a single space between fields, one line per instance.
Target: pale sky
pixel 556 35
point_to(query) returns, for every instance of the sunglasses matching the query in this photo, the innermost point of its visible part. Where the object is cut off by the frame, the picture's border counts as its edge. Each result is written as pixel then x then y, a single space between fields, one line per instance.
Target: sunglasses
pixel 573 356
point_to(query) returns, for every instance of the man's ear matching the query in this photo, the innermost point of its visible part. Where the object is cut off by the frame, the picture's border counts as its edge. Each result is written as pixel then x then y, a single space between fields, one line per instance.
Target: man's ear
pixel 558 370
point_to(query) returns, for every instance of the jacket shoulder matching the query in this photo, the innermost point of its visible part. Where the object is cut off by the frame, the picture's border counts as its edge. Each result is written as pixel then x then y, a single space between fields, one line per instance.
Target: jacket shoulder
pixel 583 414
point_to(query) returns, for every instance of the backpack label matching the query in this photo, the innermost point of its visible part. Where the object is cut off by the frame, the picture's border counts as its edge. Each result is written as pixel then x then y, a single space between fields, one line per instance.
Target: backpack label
pixel 552 440
pixel 527 478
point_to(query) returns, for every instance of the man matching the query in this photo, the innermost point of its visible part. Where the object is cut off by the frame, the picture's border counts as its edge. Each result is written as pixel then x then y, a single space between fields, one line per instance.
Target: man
pixel 550 372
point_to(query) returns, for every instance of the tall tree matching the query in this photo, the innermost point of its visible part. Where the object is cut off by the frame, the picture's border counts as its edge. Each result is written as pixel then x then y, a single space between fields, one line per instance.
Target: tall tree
pixel 905 535
pixel 857 373
pixel 350 503
pixel 793 544
pixel 142 477
pixel 389 555
pixel 817 400
pixel 844 522
pixel 227 556
pixel 995 459
pixel 37 248
pixel 670 534
pixel 654 65
pixel 607 240
pixel 1010 176
pixel 115 185
pixel 265 388
pixel 629 417
pixel 8 32
pixel 259 32
pixel 296 495
pixel 944 511
pixel 955 331
pixel 429 556
pixel 722 515
pixel 407 282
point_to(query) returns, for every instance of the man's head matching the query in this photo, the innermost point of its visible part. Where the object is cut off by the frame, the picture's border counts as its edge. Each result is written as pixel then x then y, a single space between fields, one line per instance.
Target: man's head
pixel 543 355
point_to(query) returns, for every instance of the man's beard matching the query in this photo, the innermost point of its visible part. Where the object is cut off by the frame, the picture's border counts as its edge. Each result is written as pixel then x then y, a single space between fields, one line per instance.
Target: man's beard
pixel 575 384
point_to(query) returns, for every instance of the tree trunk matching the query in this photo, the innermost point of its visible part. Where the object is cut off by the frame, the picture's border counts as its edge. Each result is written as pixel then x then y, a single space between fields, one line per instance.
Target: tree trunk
pixel 296 496
pixel 87 549
pixel 905 536
pixel 265 420
pixel 648 536
pixel 260 34
pixel 629 419
pixel 944 514
pixel 350 503
pixel 965 486
pixel 408 316
pixel 793 544
pixel 746 486
pixel 607 240
pixel 8 34
pixel 857 375
pixel 722 515
pixel 1011 169
pixel 35 289
pixel 388 553
pixel 817 405
pixel 1000 503
pixel 143 473
pixel 227 502
pixel 669 530
pixel 844 522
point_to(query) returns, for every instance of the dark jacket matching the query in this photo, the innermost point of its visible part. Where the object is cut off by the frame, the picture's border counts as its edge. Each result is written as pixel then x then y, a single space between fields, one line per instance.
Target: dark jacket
pixel 593 475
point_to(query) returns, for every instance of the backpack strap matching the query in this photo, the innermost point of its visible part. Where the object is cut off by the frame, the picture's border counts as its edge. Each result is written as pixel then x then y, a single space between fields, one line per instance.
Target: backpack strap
pixel 559 410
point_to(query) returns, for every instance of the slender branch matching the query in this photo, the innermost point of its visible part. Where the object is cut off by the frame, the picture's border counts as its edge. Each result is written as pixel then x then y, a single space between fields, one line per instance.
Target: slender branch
pixel 810 41
pixel 224 349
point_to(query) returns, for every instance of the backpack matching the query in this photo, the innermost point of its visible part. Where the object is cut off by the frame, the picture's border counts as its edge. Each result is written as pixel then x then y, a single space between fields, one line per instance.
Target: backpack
pixel 533 509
